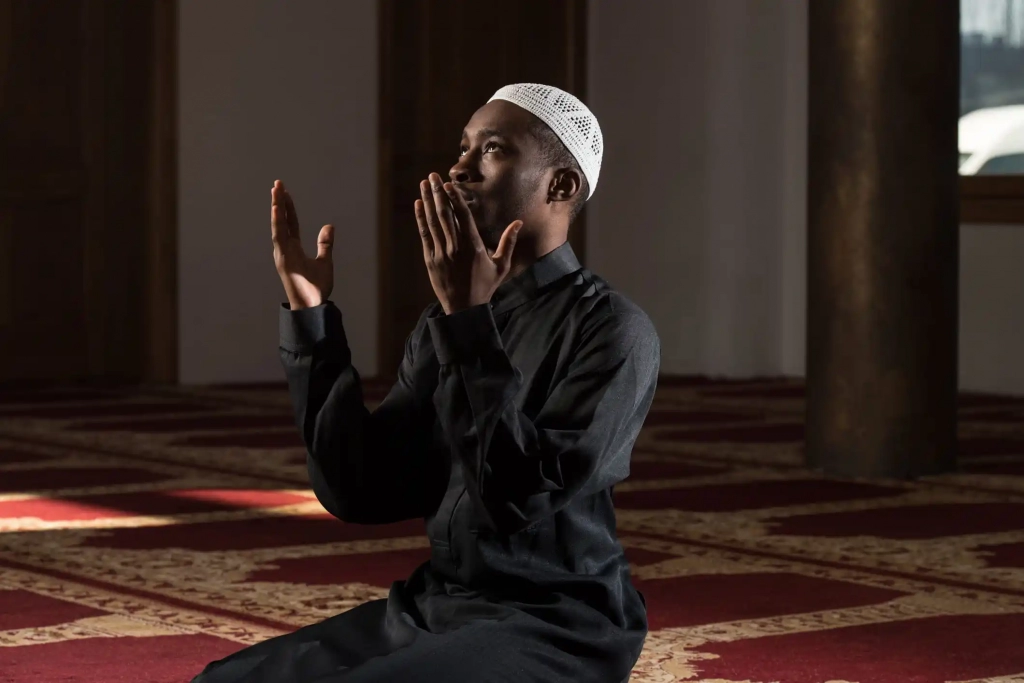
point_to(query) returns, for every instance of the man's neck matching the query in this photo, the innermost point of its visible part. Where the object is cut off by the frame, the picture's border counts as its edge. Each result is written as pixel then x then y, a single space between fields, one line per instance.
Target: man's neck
pixel 529 249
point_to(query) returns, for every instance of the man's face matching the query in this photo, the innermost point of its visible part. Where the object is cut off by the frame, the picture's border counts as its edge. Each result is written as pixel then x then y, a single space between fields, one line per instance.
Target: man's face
pixel 499 169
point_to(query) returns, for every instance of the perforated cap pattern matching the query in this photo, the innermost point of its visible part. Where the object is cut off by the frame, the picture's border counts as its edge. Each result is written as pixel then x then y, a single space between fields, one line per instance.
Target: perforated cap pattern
pixel 572 121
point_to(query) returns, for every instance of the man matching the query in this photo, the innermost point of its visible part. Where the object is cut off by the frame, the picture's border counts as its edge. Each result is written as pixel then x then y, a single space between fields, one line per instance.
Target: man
pixel 517 404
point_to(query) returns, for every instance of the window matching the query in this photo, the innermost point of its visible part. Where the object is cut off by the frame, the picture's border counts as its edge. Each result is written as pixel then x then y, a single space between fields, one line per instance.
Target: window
pixel 1003 165
pixel 991 135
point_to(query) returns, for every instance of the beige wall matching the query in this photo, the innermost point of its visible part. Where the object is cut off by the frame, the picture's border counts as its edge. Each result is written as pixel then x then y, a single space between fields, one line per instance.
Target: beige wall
pixel 992 308
pixel 699 216
pixel 700 212
pixel 272 89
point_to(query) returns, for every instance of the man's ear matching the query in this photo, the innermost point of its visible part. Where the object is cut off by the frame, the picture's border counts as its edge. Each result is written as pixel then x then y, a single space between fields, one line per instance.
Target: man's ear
pixel 565 185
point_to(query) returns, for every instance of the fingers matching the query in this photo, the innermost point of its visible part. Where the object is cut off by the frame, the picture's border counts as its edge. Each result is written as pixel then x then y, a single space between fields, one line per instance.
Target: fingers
pixel 325 243
pixel 440 243
pixel 278 225
pixel 503 254
pixel 425 236
pixel 284 221
pixel 466 224
pixel 445 217
pixel 459 205
pixel 293 217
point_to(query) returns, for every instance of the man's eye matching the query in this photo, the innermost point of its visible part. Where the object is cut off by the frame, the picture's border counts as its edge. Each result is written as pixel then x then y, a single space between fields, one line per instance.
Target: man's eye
pixel 489 147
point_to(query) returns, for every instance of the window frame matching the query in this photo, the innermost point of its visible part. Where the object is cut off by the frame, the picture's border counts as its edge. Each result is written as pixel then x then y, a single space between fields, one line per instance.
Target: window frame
pixel 987 199
pixel 990 199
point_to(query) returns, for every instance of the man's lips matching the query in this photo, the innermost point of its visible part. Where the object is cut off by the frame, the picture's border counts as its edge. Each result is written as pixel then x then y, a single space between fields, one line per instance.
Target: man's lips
pixel 468 196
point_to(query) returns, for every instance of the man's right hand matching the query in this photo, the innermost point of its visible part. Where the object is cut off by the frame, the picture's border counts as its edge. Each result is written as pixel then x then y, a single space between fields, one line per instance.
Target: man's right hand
pixel 307 281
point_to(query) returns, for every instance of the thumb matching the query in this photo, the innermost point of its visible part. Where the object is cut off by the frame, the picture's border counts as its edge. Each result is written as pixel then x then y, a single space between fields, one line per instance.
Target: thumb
pixel 503 254
pixel 325 242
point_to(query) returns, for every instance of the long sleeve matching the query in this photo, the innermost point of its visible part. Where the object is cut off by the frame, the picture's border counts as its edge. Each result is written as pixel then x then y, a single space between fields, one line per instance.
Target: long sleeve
pixel 518 470
pixel 365 467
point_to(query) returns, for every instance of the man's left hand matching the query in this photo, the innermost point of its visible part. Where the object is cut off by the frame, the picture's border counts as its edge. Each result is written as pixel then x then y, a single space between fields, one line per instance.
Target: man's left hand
pixel 461 270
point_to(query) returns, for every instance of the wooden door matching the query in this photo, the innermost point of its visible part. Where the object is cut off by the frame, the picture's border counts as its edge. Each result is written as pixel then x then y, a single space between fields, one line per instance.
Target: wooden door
pixel 440 60
pixel 86 190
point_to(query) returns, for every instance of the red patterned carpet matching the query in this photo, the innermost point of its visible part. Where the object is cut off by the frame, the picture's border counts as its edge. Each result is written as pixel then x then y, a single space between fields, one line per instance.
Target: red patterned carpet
pixel 156 530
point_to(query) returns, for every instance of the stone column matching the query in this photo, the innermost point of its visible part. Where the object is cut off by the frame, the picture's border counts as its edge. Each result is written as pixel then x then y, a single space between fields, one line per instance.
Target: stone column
pixel 883 237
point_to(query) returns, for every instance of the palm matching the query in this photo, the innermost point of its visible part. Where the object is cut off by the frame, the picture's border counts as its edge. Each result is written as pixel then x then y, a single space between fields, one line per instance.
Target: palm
pixel 307 281
pixel 310 277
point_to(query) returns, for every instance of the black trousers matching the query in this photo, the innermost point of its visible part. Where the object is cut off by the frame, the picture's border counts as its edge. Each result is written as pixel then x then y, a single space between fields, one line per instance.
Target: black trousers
pixel 353 647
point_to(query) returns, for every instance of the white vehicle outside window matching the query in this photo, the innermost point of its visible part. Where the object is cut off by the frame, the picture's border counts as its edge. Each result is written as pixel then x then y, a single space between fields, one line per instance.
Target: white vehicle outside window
pixel 992 141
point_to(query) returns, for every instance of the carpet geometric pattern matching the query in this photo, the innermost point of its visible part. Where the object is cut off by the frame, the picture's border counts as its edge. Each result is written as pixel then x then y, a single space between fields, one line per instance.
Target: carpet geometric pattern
pixel 164 528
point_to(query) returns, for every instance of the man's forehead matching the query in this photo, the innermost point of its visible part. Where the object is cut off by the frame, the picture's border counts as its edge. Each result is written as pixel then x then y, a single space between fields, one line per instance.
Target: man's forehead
pixel 498 118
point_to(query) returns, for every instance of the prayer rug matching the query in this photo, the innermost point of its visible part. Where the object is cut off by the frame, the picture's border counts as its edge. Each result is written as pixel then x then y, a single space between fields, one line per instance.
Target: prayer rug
pixel 159 529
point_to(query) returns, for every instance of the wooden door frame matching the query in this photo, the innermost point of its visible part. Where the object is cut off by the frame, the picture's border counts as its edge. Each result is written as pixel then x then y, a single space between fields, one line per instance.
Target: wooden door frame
pixel 128 324
pixel 152 352
pixel 385 98
pixel 161 324
pixel 576 12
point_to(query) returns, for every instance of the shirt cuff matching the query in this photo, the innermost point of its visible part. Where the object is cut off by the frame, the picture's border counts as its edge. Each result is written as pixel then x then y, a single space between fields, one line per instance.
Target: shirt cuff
pixel 301 331
pixel 464 335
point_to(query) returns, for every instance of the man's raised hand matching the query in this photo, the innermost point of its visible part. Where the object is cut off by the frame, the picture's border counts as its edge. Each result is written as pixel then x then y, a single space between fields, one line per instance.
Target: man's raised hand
pixel 307 281
pixel 462 272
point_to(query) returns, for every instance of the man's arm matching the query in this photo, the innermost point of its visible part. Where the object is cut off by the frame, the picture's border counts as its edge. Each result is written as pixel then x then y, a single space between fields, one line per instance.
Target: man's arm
pixel 365 467
pixel 519 471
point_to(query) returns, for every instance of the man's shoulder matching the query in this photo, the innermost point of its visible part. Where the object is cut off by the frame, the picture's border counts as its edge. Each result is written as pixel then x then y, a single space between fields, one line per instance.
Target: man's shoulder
pixel 613 312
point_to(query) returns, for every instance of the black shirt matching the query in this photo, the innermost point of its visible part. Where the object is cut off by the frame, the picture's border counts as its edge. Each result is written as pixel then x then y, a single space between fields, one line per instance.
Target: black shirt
pixel 506 431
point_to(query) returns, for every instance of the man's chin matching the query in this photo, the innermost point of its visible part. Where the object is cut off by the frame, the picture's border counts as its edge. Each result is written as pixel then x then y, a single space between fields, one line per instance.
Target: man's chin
pixel 488 233
pixel 490 241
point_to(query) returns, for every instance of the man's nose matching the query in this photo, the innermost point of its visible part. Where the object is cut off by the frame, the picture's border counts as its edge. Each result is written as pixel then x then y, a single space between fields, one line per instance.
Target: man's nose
pixel 459 173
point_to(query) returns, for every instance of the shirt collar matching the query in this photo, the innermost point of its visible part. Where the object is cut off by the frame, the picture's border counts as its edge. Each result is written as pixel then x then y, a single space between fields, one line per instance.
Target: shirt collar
pixel 549 268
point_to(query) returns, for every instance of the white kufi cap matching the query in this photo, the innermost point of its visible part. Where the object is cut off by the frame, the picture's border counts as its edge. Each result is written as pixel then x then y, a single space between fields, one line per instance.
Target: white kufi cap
pixel 569 118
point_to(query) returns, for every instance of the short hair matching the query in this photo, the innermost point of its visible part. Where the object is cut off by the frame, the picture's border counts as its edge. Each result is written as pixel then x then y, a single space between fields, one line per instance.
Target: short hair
pixel 555 154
